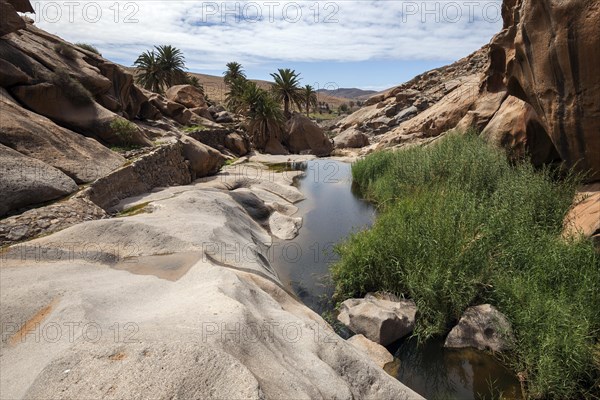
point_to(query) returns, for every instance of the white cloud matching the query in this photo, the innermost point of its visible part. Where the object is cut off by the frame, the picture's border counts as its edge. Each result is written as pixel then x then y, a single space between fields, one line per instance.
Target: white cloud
pixel 210 36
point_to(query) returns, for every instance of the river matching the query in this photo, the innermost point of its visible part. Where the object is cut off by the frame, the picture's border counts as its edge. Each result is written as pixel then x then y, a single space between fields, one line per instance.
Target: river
pixel 332 210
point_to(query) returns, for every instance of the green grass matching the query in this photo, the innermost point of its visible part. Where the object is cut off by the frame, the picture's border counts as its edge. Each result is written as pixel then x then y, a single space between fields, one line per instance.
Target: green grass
pixel 135 210
pixel 65 50
pixel 460 226
pixel 125 130
pixel 71 87
pixel 194 128
pixel 88 47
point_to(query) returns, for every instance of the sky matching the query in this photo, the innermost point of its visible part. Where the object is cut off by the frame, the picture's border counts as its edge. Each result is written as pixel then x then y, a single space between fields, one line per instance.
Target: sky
pixel 333 44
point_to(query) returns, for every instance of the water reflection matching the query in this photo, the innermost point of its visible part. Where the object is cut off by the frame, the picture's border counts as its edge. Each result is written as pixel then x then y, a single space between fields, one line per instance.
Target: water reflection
pixel 331 211
pixel 439 373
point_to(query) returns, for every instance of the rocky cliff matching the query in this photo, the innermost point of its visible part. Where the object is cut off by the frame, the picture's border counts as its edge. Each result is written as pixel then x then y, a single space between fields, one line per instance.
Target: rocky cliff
pixel 534 90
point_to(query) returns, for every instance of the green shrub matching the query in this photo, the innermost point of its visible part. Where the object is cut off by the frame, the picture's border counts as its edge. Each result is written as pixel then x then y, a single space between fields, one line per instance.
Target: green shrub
pixel 65 50
pixel 71 87
pixel 460 226
pixel 88 47
pixel 124 130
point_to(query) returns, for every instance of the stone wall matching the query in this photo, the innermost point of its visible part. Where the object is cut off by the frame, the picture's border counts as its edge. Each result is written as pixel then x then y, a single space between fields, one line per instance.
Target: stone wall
pixel 165 166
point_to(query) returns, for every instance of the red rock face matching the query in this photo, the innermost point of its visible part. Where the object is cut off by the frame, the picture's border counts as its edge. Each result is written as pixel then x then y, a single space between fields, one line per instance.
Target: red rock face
pixel 548 55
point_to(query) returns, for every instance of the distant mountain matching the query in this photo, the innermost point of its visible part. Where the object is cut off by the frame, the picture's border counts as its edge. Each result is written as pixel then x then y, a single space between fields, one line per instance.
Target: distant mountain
pixel 348 93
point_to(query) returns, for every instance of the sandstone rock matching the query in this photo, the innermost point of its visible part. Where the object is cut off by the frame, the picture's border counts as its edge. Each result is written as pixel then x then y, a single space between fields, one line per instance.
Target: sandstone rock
pixel 516 127
pixel 283 226
pixel 482 111
pixel 222 139
pixel 204 160
pixel 406 114
pixel 213 110
pixel 44 220
pixel 202 112
pixel 171 109
pixel 11 75
pixel 137 370
pixel 163 166
pixel 275 147
pixel 305 135
pixel 10 21
pixel 482 327
pixel 238 144
pixel 374 99
pixel 584 216
pixel 83 159
pixel 437 119
pixel 85 117
pixel 223 117
pixel 253 204
pixel 374 351
pixel 547 55
pixel 351 138
pixel 25 181
pixel 187 95
pixel 381 320
pixel 130 99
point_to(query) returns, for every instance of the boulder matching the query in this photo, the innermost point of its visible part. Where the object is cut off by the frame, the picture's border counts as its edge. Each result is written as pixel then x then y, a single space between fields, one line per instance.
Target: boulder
pixel 25 181
pixel 223 117
pixel 275 147
pixel 584 216
pixel 547 55
pixel 171 109
pixel 83 159
pixel 405 114
pixel 376 352
pixel 204 160
pixel 305 135
pixel 187 95
pixel 222 139
pixel 11 75
pixel 517 128
pixel 82 115
pixel 482 111
pixel 283 226
pixel 238 144
pixel 375 99
pixel 482 327
pixel 213 110
pixel 202 112
pixel 10 21
pixel 382 319
pixel 351 138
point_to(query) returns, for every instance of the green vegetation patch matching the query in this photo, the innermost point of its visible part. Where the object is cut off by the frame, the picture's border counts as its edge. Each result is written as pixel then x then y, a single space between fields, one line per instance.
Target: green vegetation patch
pixel 124 130
pixel 460 226
pixel 65 50
pixel 135 210
pixel 88 47
pixel 72 88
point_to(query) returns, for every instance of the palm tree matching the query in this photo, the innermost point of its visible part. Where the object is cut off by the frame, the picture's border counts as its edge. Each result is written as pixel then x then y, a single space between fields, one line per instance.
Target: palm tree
pixel 309 97
pixel 149 73
pixel 235 97
pixel 172 63
pixel 266 118
pixel 161 68
pixel 286 89
pixel 234 72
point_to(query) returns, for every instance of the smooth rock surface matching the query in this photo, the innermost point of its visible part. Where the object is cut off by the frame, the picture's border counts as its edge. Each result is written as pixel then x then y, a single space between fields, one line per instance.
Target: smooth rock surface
pixel 381 320
pixel 482 327
pixel 200 311
pixel 25 181
pixel 376 352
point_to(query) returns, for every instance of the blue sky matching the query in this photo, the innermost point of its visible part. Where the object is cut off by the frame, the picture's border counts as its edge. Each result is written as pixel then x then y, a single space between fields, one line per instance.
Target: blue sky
pixel 365 44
